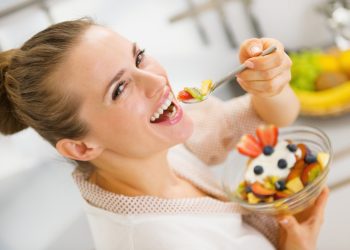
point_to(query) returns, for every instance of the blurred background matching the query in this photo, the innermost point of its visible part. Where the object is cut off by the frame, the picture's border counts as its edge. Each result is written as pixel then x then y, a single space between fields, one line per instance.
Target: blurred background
pixel 40 207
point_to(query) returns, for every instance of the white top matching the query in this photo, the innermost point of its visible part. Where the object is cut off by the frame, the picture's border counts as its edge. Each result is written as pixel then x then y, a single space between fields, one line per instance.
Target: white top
pixel 172 232
pixel 147 222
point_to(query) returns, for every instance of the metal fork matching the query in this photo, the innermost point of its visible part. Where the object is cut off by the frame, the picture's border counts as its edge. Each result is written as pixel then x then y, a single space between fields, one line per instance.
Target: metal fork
pixel 228 77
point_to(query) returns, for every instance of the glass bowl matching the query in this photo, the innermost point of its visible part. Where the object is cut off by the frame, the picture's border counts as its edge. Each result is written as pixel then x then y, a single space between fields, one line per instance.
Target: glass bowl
pixel 316 141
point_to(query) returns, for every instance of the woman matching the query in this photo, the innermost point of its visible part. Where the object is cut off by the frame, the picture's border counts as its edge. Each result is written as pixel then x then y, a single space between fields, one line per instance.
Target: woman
pixel 101 101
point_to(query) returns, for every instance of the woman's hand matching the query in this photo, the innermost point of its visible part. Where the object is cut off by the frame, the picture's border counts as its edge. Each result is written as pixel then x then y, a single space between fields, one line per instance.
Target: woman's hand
pixel 300 232
pixel 267 80
pixel 266 76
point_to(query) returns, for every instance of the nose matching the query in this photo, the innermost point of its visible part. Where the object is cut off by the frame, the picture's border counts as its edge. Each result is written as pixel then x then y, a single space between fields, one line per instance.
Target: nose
pixel 150 83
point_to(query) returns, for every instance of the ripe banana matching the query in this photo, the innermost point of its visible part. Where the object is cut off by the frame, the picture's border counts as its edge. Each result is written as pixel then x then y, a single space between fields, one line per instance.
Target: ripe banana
pixel 325 101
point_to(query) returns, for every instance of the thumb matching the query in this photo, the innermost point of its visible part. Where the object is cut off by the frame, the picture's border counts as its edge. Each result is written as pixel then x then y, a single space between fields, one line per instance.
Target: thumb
pixel 255 49
pixel 290 225
pixel 250 48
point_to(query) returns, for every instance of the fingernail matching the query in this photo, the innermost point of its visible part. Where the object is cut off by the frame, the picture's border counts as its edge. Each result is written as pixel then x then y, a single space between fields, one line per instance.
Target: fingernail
pixel 284 221
pixel 255 50
pixel 249 64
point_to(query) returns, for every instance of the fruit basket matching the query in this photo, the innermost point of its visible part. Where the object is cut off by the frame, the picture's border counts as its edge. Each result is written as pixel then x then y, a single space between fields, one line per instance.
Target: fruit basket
pixel 321 80
pixel 286 194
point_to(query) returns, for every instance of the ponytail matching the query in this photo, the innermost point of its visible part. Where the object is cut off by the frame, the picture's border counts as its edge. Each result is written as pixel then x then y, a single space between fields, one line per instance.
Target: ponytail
pixel 9 122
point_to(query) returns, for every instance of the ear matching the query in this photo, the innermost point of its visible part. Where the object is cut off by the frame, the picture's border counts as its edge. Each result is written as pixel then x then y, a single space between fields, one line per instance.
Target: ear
pixel 78 150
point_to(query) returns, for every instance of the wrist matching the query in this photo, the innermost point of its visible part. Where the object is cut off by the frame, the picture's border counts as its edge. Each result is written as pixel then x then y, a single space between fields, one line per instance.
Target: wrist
pixel 273 95
pixel 281 109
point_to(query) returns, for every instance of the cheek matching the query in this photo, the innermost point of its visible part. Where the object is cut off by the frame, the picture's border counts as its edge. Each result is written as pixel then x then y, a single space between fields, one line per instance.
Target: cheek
pixel 126 130
pixel 138 111
pixel 113 124
pixel 123 135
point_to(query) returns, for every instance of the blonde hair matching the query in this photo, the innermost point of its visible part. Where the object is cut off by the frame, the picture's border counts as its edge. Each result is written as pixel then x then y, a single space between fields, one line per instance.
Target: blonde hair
pixel 29 94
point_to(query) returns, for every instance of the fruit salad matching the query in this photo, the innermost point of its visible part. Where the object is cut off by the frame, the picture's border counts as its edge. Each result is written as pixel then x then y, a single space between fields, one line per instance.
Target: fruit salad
pixel 276 168
pixel 188 94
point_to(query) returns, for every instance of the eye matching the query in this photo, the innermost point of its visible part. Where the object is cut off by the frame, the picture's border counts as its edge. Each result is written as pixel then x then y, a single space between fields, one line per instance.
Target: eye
pixel 118 90
pixel 139 57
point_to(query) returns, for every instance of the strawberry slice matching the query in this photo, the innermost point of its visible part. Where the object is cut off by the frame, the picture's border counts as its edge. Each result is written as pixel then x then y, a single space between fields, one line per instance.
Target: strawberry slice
pixel 267 135
pixel 184 95
pixel 249 146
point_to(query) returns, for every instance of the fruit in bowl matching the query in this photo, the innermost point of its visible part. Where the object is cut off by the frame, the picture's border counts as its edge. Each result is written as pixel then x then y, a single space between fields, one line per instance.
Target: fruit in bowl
pixel 321 80
pixel 280 174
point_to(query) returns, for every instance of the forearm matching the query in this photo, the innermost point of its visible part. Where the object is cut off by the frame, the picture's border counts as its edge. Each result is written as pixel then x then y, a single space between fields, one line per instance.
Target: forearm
pixel 219 125
pixel 281 109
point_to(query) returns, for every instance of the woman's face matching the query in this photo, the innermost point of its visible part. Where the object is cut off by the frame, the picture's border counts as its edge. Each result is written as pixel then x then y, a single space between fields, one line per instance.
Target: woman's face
pixel 122 90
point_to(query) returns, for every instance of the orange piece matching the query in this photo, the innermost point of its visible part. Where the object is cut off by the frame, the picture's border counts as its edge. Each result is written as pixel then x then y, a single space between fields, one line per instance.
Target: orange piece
pixel 259 190
pixel 297 170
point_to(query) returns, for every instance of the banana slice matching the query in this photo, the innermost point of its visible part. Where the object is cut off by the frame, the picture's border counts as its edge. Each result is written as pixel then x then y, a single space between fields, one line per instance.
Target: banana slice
pixel 324 101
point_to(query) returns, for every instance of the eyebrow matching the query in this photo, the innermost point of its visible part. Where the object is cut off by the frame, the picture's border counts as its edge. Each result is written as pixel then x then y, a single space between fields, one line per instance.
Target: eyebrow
pixel 120 72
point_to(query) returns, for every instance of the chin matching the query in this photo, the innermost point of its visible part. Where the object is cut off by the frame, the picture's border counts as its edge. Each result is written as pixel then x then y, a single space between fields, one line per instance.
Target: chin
pixel 183 132
pixel 169 136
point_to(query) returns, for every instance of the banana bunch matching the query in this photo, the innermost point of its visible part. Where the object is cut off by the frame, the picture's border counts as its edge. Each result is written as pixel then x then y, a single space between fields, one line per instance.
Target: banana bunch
pixel 324 102
pixel 321 80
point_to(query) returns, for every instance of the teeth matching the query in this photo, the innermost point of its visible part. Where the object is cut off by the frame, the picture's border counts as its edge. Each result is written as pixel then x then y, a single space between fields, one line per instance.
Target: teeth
pixel 164 106
pixel 160 111
pixel 168 102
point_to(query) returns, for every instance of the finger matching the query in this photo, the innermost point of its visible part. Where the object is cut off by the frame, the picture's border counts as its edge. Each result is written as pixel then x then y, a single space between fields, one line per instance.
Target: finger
pixel 317 214
pixel 255 92
pixel 270 87
pixel 268 42
pixel 258 75
pixel 282 237
pixel 269 61
pixel 290 225
pixel 321 201
pixel 249 48
pixel 247 88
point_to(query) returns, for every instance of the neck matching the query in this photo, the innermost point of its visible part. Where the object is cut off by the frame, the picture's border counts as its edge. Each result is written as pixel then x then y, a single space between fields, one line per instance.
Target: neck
pixel 132 177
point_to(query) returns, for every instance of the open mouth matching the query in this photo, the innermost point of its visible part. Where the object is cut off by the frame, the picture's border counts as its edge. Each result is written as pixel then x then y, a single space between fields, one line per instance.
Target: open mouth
pixel 166 112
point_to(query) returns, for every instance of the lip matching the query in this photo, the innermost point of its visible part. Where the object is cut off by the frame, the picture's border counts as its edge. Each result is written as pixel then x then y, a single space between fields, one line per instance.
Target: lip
pixel 164 97
pixel 179 110
pixel 176 118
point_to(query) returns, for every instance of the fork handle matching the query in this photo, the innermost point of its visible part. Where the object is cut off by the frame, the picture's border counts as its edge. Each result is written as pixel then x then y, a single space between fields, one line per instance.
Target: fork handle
pixel 241 67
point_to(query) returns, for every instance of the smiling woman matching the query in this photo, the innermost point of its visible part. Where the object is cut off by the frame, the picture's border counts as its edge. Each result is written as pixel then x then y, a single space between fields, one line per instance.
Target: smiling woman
pixel 120 122
pixel 141 159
